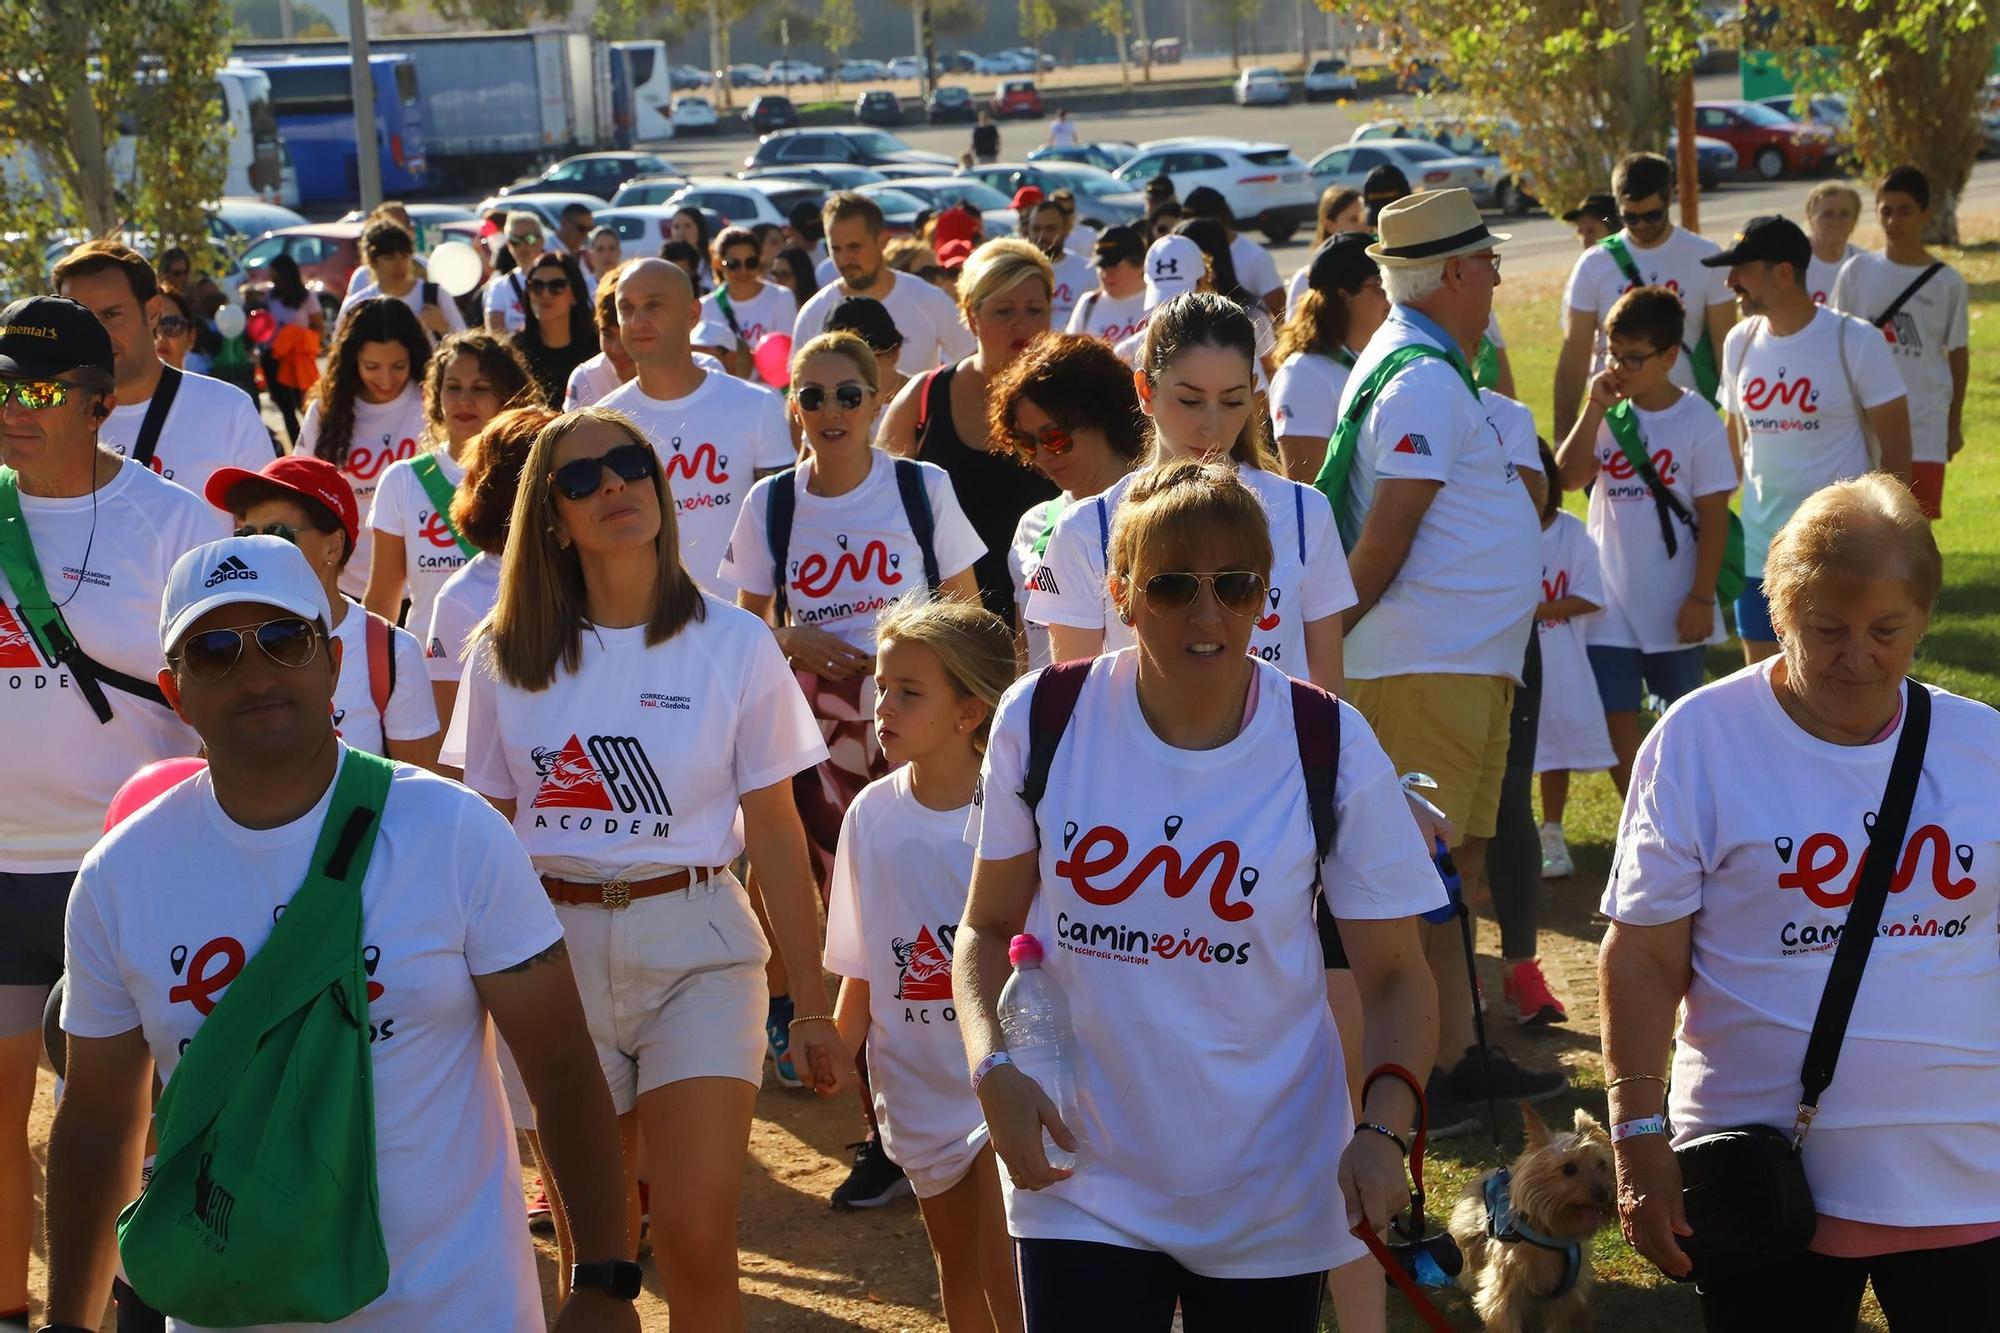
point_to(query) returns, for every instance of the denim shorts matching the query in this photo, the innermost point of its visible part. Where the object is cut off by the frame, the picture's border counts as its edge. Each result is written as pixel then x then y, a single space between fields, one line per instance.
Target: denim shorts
pixel 1625 674
pixel 1753 614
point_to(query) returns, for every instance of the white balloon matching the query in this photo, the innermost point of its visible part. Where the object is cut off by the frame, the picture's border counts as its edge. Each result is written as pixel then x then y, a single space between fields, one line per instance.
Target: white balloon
pixel 229 321
pixel 456 267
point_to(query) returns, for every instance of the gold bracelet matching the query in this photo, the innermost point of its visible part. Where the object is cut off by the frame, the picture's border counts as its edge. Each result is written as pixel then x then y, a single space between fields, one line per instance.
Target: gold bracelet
pixel 1623 1079
pixel 808 1018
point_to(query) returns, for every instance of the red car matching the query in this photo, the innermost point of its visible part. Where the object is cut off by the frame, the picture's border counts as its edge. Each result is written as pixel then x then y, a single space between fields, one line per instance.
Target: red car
pixel 327 254
pixel 1017 97
pixel 1769 142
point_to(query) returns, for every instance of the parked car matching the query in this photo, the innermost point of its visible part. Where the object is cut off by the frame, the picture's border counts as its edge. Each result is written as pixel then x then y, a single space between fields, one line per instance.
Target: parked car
pixel 1715 161
pixel 957 62
pixel 1828 109
pixel 906 67
pixel 951 102
pixel 996 210
pixel 648 190
pixel 862 147
pixel 424 215
pixel 327 253
pixel 1004 62
pixel 745 76
pixel 237 222
pixel 693 114
pixel 1427 165
pixel 641 228
pixel 598 174
pixel 794 71
pixel 745 202
pixel 861 71
pixel 832 175
pixel 1328 78
pixel 1046 63
pixel 1102 199
pixel 1469 137
pixel 547 207
pixel 1016 97
pixel 772 112
pixel 878 107
pixel 1105 154
pixel 1262 85
pixel 688 76
pixel 1771 143
pixel 1266 186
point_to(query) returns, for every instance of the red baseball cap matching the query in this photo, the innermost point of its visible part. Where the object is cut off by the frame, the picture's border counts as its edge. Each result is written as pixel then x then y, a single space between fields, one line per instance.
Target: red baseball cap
pixel 955 224
pixel 1027 196
pixel 953 254
pixel 302 474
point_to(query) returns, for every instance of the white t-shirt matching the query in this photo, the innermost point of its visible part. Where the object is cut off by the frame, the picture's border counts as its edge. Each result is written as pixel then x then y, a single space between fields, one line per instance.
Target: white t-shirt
pixel 1741 820
pixel 1062 133
pixel 1112 318
pixel 1255 268
pixel 851 555
pixel 1466 593
pixel 1305 395
pixel 1214 1110
pixel 1075 277
pixel 466 598
pixel 168 906
pixel 413 298
pixel 589 382
pixel 66 765
pixel 635 763
pixel 412 713
pixel 713 443
pixel 1596 283
pixel 1081 238
pixel 933 334
pixel 1803 427
pixel 504 296
pixel 1643 586
pixel 1296 288
pixel 773 310
pixel 211 425
pixel 383 434
pixel 431 553
pixel 1821 273
pixel 1309 579
pixel 1930 326
pixel 1571 733
pixel 1515 421
pixel 900 876
pixel 1025 557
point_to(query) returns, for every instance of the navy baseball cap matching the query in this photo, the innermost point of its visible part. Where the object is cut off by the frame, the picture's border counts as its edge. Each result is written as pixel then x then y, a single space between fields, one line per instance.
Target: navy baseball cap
pixel 43 336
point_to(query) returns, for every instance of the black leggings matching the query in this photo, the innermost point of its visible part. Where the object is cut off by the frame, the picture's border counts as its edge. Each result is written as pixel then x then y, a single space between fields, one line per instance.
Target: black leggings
pixel 1514 856
pixel 1080 1286
pixel 1922 1291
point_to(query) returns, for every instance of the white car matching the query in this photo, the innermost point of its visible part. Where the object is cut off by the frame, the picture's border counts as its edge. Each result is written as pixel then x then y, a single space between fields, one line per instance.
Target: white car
pixel 1266 185
pixel 1329 78
pixel 1004 62
pixel 693 114
pixel 1262 86
pixel 793 71
pixel 906 67
pixel 1427 166
pixel 746 203
pixel 861 71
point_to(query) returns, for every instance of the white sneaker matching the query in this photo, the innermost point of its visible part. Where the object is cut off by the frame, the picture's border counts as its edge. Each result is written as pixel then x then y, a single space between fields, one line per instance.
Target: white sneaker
pixel 1556 862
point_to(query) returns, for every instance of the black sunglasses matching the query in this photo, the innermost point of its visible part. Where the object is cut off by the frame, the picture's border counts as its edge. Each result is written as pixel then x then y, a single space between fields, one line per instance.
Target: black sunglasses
pixel 812 398
pixel 1239 591
pixel 175 325
pixel 524 238
pixel 547 286
pixel 289 641
pixel 738 265
pixel 285 530
pixel 578 478
pixel 1645 219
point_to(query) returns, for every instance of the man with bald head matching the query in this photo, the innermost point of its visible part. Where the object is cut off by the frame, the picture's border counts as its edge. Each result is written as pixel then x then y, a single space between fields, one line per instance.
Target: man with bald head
pixel 715 434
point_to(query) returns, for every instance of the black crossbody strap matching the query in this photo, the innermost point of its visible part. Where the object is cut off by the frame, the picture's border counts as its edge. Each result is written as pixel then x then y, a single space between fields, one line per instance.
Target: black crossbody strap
pixel 1864 914
pixel 1882 320
pixel 156 416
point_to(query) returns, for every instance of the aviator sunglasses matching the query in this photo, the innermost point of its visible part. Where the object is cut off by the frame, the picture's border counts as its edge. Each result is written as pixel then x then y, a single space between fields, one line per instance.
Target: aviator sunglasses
pixel 288 640
pixel 578 478
pixel 1238 591
pixel 812 398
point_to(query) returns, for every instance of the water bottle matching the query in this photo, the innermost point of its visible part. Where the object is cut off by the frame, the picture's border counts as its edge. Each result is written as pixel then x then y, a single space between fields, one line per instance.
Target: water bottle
pixel 1034 1017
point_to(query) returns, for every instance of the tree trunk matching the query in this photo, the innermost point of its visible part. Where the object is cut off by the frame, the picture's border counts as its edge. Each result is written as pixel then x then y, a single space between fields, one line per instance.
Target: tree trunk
pixel 83 132
pixel 1145 42
pixel 718 53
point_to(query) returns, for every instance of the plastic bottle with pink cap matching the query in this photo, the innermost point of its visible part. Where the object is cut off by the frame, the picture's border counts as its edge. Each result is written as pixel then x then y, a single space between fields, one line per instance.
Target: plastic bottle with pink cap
pixel 1034 1018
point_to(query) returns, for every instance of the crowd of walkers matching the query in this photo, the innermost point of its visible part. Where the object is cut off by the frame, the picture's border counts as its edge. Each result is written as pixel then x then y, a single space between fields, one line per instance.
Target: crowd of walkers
pixel 807 601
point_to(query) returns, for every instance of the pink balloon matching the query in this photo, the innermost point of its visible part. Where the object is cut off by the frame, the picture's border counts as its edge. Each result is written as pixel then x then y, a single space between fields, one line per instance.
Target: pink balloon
pixel 774 359
pixel 149 782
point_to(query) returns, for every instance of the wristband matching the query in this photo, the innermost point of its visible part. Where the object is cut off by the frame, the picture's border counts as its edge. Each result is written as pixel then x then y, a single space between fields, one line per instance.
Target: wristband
pixel 1632 1129
pixel 987 1066
pixel 1386 1133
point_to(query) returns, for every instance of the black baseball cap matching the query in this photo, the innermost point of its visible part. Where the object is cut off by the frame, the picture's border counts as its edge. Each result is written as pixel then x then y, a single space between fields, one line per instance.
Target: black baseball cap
pixel 43 336
pixel 869 320
pixel 1598 205
pixel 1385 182
pixel 1770 238
pixel 1121 244
pixel 1342 263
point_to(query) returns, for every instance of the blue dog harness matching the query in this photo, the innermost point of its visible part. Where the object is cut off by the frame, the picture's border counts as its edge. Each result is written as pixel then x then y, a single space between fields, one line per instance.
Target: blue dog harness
pixel 1505 1225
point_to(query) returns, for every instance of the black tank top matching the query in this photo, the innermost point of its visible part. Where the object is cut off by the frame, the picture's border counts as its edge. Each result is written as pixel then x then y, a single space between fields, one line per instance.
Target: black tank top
pixel 993 489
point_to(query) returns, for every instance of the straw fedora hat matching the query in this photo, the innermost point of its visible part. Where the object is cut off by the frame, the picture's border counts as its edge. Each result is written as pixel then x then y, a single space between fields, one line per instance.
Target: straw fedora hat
pixel 1428 226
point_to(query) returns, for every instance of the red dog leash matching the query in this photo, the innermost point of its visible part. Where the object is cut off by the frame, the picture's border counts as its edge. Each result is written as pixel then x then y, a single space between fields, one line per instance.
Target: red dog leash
pixel 1398 1275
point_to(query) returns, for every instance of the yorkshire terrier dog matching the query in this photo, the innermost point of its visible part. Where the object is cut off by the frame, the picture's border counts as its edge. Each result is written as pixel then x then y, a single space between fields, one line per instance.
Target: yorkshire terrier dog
pixel 1525 1229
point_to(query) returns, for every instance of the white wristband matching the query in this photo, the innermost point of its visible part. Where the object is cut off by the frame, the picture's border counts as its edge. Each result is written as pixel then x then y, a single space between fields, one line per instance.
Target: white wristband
pixel 1632 1129
pixel 988 1065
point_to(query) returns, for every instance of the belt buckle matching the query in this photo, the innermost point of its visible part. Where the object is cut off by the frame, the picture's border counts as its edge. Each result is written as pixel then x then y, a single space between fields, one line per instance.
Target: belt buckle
pixel 615 894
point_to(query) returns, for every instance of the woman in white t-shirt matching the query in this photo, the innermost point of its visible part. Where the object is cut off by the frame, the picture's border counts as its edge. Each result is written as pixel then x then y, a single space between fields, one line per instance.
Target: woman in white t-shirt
pixel 1331 322
pixel 380 700
pixel 472 377
pixel 1216 1148
pixel 1750 811
pixel 1067 409
pixel 899 885
pixel 745 304
pixel 639 735
pixel 367 411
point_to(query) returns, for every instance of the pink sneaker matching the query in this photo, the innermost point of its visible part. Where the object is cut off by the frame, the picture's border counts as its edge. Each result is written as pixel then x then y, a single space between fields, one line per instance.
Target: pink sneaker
pixel 1527 990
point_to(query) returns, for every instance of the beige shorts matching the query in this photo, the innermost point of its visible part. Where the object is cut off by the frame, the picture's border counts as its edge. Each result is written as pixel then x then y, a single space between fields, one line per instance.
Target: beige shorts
pixel 1452 727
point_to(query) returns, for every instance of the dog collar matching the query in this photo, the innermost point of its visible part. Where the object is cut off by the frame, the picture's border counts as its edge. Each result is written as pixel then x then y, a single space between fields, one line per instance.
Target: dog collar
pixel 1503 1224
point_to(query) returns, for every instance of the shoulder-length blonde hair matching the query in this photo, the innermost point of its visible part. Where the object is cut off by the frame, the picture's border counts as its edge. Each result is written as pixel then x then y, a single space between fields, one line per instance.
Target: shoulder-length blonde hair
pixel 538 620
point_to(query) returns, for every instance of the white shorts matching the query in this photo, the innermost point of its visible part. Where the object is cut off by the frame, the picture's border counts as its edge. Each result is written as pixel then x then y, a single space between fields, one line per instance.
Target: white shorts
pixel 932 1178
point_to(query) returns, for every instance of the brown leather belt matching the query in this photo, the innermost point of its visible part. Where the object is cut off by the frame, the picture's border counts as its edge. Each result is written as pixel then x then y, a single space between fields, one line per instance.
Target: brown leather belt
pixel 617 894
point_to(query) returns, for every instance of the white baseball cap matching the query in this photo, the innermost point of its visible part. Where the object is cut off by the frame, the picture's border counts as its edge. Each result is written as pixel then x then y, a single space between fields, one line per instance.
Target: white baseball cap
pixel 1174 264
pixel 712 333
pixel 265 570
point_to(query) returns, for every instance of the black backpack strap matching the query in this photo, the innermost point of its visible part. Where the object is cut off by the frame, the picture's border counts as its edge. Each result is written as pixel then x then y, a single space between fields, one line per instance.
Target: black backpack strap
pixel 1882 320
pixel 780 504
pixel 1316 720
pixel 1050 708
pixel 156 416
pixel 1864 913
pixel 923 524
pixel 927 386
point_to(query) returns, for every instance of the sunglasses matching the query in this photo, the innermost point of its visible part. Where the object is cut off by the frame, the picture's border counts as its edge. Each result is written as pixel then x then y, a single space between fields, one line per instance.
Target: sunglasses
pixel 741 265
pixel 1238 591
pixel 578 479
pixel 547 286
pixel 1051 439
pixel 36 395
pixel 1646 219
pixel 285 530
pixel 289 641
pixel 812 398
pixel 173 326
pixel 524 238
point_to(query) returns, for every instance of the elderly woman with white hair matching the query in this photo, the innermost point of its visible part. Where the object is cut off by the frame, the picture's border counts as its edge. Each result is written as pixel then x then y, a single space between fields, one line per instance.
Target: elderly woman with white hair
pixel 1740 898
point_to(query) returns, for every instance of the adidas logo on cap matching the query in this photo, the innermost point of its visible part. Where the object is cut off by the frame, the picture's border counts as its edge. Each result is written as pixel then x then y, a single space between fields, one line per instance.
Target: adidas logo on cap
pixel 232 568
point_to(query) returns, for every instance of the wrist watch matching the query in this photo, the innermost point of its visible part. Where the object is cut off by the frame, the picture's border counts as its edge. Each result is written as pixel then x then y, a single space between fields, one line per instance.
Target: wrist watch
pixel 615 1277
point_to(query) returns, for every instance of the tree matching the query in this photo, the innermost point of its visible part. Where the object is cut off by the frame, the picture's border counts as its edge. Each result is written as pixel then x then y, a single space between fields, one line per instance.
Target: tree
pixel 1109 16
pixel 93 82
pixel 1913 72
pixel 1233 14
pixel 838 27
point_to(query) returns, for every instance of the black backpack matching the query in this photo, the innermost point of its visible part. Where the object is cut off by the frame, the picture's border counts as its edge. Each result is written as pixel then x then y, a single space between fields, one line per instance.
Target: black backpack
pixel 782 502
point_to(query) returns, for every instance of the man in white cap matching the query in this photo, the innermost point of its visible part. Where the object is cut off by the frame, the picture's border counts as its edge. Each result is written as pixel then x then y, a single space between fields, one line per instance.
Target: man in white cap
pixel 173 905
pixel 1444 546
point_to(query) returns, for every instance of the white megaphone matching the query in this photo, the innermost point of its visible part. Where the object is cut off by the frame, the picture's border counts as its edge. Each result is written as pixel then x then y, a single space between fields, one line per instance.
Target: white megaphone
pixel 456 267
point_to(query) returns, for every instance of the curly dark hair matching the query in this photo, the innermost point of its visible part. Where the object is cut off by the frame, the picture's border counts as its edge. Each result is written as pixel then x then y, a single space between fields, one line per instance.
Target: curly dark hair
pixel 379 319
pixel 1079 382
pixel 498 362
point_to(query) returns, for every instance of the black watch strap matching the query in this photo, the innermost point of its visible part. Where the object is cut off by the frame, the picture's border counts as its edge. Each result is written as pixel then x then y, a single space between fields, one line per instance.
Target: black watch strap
pixel 616 1277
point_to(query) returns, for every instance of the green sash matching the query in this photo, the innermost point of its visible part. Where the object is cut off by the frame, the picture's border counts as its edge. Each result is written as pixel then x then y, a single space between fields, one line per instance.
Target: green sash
pixel 1624 424
pixel 441 492
pixel 1335 471
pixel 1701 353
